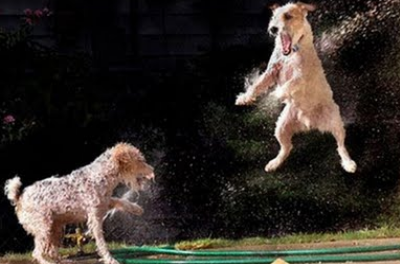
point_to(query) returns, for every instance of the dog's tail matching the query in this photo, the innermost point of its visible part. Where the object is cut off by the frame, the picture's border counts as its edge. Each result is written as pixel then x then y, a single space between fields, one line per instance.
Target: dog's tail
pixel 12 189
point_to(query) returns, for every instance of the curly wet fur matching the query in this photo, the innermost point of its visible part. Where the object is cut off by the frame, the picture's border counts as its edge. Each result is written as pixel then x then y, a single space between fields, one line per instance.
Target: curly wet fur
pixel 296 73
pixel 12 189
pixel 46 206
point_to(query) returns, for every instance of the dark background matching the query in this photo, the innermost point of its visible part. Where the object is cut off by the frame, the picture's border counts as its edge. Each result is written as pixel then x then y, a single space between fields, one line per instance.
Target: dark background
pixel 163 75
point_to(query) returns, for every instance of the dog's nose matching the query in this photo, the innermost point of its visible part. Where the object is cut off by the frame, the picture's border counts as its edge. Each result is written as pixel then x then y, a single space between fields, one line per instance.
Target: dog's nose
pixel 273 30
pixel 150 176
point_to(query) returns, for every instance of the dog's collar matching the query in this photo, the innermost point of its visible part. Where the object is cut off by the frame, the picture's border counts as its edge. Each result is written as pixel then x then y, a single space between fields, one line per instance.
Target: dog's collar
pixel 296 47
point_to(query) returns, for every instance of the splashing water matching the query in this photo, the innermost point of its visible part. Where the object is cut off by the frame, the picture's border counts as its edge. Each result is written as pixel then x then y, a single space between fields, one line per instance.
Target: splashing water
pixel 302 191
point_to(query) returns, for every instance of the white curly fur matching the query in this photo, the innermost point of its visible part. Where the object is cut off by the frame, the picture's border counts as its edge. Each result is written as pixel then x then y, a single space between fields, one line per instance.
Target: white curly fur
pixel 11 189
pixel 46 206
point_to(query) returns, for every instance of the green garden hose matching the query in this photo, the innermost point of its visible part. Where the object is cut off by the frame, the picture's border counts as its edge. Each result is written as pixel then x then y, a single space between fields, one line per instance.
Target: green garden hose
pixel 276 253
pixel 323 255
pixel 311 259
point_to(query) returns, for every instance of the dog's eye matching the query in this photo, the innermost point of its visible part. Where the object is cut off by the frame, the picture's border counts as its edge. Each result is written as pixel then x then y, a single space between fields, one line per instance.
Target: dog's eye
pixel 287 16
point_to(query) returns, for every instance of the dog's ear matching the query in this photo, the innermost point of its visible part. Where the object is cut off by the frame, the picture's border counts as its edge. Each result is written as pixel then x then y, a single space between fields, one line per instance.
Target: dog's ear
pixel 306 7
pixel 273 6
pixel 123 153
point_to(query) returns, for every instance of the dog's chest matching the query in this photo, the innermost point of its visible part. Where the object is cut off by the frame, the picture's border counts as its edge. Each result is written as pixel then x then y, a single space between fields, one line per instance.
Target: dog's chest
pixel 285 74
pixel 289 68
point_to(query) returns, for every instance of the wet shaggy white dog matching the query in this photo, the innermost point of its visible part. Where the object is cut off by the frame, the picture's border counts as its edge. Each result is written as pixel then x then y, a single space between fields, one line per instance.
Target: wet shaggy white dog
pixel 46 206
pixel 296 73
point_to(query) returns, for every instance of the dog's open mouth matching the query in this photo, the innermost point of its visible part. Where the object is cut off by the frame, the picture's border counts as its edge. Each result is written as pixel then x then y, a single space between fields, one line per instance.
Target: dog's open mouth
pixel 144 181
pixel 286 41
pixel 141 182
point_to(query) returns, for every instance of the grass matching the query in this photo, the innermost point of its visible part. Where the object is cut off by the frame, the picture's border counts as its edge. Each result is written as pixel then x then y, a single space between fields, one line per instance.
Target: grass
pixel 16 257
pixel 382 232
pixel 89 248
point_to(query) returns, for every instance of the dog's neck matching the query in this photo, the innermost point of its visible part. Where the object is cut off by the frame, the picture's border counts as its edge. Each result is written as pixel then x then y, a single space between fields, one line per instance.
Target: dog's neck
pixel 110 176
pixel 296 47
pixel 305 44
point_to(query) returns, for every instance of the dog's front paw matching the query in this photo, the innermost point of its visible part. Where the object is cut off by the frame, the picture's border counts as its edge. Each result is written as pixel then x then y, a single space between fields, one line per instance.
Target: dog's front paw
pixel 279 93
pixel 244 99
pixel 136 209
pixel 114 261
pixel 110 260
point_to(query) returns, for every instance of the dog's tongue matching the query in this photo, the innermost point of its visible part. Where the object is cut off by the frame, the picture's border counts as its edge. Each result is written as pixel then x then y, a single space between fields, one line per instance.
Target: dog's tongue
pixel 286 43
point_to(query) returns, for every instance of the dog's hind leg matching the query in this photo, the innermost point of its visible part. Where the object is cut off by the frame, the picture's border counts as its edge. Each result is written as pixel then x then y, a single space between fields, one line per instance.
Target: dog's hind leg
pixel 336 127
pixel 347 163
pixel 286 126
pixel 40 228
pixel 57 232
pixel 41 243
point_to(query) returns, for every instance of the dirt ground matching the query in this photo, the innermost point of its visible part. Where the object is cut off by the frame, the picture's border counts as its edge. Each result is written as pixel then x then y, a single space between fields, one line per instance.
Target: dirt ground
pixel 333 244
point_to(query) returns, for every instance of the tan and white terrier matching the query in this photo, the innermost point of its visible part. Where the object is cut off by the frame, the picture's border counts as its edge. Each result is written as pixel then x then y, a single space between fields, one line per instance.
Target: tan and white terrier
pixel 296 73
